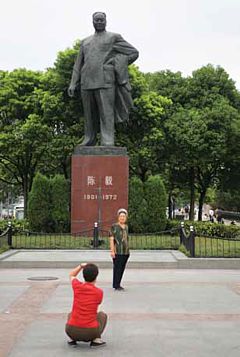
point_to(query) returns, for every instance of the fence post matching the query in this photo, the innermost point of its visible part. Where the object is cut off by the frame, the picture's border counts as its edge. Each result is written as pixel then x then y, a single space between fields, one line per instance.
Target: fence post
pixel 95 235
pixel 9 233
pixel 181 232
pixel 192 241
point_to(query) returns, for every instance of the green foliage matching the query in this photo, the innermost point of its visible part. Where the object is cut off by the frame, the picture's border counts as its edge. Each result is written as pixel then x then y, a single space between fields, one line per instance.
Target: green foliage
pixel 138 82
pixel 228 195
pixel 199 133
pixel 217 230
pixel 63 66
pixel 61 113
pixel 4 249
pixel 228 200
pixel 49 204
pixel 184 250
pixel 39 205
pixel 208 229
pixel 169 84
pixel 156 200
pixel 147 205
pixel 60 194
pixel 179 126
pixel 209 83
pixel 23 136
pixel 143 135
pixel 137 206
pixel 17 95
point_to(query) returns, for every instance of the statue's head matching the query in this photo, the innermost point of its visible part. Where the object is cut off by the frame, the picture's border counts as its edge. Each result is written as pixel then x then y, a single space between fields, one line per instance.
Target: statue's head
pixel 99 21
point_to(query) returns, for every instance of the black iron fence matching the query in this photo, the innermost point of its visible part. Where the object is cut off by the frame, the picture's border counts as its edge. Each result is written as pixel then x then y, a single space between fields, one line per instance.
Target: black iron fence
pixel 95 238
pixel 6 237
pixel 187 240
pixel 211 247
pixel 205 246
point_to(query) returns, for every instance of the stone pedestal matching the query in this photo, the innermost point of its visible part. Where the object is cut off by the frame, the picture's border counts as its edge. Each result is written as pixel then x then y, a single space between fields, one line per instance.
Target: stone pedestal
pixel 99 186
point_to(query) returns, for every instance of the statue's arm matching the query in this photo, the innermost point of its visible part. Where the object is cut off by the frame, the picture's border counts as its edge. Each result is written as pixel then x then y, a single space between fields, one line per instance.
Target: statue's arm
pixel 123 47
pixel 76 74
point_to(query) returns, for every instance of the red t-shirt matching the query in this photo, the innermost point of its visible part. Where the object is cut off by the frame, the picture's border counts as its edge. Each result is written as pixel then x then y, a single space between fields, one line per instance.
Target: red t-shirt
pixel 86 299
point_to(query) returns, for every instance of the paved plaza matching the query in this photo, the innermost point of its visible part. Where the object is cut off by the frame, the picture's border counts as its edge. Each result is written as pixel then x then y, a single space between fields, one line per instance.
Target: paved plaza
pixel 161 259
pixel 163 312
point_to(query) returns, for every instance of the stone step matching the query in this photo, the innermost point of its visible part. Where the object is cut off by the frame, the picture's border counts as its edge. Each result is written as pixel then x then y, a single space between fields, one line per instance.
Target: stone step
pixel 164 259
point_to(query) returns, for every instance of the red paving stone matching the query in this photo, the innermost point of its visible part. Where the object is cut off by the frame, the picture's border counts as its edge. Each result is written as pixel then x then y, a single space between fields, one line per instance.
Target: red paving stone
pixel 21 313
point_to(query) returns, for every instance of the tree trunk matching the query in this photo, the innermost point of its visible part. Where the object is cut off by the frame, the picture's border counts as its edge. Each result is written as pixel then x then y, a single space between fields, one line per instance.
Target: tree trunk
pixel 25 195
pixel 192 193
pixel 170 207
pixel 200 202
pixel 65 168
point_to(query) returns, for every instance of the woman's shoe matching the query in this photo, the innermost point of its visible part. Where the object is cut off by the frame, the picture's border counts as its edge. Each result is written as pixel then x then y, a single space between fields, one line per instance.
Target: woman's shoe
pixel 97 343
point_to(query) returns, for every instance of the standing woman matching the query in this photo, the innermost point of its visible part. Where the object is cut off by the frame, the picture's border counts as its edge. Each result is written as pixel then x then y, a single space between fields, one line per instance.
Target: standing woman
pixel 119 247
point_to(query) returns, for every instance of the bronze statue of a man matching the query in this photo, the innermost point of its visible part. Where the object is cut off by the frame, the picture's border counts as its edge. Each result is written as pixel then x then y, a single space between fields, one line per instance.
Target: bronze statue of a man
pixel 101 70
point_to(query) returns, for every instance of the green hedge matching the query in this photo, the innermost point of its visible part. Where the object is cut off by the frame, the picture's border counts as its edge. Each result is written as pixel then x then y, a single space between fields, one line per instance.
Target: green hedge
pixel 156 200
pixel 21 224
pixel 48 206
pixel 39 205
pixel 137 208
pixel 208 228
pixel 147 205
pixel 60 197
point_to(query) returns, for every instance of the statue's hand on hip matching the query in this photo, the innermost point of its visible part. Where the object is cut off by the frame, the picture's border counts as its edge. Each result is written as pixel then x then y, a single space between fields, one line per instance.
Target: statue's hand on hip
pixel 71 91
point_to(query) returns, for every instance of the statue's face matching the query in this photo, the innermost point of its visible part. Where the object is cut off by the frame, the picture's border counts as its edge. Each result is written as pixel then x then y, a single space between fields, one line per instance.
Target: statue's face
pixel 99 22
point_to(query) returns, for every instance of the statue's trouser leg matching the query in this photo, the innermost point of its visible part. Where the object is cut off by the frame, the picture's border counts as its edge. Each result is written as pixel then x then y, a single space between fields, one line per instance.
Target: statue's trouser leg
pixel 105 101
pixel 91 117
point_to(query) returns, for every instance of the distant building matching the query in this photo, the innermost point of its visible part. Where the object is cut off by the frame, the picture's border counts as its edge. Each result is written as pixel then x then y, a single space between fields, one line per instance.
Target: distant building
pixel 12 210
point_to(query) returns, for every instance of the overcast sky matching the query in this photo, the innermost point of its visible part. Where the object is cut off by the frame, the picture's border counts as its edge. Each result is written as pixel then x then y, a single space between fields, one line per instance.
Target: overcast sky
pixel 180 35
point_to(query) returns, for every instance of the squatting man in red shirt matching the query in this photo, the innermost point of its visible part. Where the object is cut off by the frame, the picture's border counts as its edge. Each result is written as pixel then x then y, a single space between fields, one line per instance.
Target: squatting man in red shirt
pixel 85 323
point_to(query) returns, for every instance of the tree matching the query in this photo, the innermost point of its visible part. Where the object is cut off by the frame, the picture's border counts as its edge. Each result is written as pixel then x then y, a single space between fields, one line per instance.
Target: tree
pixel 40 124
pixel 199 139
pixel 156 201
pixel 215 94
pixel 185 132
pixel 143 134
pixel 171 85
pixel 228 194
pixel 137 205
pixel 24 138
pixel 49 204
pixel 197 127
pixel 209 83
pixel 39 205
pixel 228 200
pixel 61 113
pixel 60 195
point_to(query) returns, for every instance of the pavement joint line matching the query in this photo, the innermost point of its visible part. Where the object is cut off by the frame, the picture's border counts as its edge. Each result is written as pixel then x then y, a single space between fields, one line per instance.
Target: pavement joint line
pixel 18 317
pixel 106 284
pixel 182 265
pixel 154 316
pixel 7 254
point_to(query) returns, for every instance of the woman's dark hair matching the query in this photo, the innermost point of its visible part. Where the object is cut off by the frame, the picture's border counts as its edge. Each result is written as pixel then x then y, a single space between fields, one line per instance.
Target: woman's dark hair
pixel 90 272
